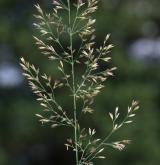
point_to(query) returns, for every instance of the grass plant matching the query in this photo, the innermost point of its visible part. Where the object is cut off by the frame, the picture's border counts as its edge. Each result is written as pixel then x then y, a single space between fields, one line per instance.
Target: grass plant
pixel 74 21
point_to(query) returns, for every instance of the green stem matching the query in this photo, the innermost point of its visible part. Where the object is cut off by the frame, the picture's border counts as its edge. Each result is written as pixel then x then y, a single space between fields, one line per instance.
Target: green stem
pixel 75 109
pixel 73 84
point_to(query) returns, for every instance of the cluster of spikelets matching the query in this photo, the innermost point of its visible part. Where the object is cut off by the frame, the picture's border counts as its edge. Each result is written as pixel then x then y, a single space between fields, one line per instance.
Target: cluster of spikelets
pixel 53 27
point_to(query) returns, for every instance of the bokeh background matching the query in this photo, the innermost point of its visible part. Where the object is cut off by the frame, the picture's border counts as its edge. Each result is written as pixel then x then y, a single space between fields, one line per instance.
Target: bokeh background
pixel 135 29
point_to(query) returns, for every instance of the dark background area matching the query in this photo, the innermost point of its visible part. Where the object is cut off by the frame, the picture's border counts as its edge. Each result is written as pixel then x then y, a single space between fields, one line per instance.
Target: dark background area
pixel 135 29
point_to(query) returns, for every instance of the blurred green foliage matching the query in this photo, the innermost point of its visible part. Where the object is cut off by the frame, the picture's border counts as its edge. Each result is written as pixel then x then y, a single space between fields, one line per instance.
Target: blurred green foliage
pixel 24 142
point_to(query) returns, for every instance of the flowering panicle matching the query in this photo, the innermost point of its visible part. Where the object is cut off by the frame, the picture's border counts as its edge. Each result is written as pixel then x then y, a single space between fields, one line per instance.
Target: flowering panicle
pixel 83 88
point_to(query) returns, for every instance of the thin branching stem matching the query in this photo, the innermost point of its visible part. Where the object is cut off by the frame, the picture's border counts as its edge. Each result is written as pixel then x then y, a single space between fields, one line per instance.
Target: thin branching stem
pixel 73 83
pixel 93 155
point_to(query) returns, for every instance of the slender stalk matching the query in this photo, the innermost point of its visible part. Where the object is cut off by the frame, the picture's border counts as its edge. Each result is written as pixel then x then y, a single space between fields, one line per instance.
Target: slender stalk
pixel 73 84
pixel 74 107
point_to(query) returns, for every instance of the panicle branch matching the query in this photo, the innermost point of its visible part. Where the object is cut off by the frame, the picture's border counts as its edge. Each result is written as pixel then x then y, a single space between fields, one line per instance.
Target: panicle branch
pixel 46 96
